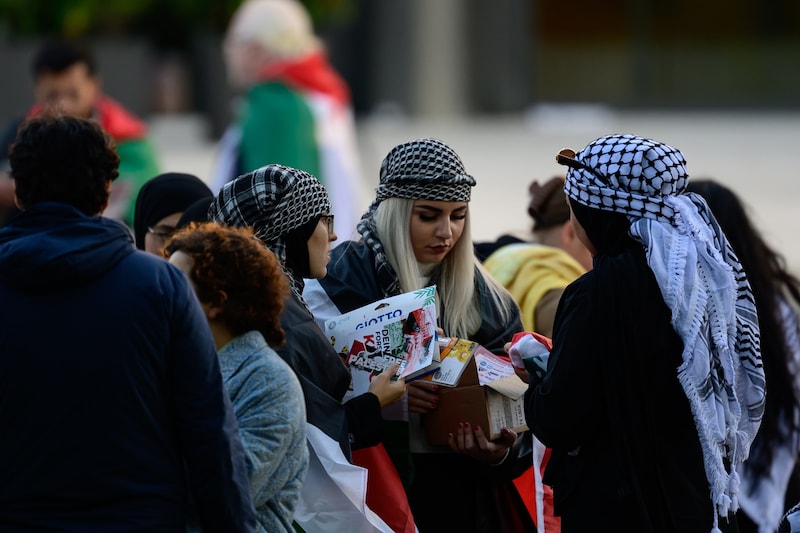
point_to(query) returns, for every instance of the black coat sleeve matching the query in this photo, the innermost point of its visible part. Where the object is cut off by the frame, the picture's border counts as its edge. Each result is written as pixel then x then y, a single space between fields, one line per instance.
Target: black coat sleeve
pixel 364 420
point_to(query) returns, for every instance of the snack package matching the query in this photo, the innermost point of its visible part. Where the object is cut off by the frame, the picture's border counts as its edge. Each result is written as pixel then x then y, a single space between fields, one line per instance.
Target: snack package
pixel 530 351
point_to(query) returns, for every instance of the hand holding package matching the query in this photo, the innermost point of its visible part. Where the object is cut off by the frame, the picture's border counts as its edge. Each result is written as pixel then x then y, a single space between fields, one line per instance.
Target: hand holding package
pixel 530 351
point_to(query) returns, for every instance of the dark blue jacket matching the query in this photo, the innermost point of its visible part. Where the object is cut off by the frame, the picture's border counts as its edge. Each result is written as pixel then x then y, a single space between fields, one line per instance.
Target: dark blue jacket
pixel 110 387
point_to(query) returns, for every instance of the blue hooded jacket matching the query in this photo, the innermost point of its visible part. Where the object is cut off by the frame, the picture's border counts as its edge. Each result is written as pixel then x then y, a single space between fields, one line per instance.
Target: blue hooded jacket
pixel 112 407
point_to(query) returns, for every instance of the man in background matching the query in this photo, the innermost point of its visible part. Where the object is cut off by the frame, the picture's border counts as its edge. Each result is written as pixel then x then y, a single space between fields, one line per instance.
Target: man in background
pixel 66 80
pixel 114 413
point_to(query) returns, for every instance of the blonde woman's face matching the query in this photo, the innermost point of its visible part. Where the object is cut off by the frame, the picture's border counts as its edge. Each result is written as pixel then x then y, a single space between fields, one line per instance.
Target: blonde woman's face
pixel 435 228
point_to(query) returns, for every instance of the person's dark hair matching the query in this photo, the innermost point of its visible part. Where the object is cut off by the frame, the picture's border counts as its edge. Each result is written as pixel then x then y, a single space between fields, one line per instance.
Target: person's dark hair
pixel 547 204
pixel 231 261
pixel 768 276
pixel 57 56
pixel 63 159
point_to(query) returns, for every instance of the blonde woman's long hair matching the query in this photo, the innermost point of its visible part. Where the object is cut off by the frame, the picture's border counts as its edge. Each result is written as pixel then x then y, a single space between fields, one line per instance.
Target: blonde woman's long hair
pixel 456 287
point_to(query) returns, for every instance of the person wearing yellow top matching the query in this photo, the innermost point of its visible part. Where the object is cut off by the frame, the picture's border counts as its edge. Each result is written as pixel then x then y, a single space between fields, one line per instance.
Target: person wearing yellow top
pixel 536 273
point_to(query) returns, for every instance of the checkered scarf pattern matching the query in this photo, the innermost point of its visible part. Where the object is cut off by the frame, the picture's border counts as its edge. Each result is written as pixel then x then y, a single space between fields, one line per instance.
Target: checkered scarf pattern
pixel 274 200
pixel 703 284
pixel 422 169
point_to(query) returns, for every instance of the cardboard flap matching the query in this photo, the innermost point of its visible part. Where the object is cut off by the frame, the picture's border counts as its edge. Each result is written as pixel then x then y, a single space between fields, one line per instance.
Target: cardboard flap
pixel 504 412
pixel 510 386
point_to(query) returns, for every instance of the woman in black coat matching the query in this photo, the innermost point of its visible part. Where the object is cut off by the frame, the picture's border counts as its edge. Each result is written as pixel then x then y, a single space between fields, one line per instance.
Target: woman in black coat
pixel 654 388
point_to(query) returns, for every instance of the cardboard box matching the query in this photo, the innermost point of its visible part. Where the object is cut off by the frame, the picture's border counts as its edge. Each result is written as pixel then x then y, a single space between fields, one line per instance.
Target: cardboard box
pixel 493 406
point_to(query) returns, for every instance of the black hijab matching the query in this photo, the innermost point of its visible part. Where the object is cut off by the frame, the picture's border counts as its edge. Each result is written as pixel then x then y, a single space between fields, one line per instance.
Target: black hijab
pixel 164 195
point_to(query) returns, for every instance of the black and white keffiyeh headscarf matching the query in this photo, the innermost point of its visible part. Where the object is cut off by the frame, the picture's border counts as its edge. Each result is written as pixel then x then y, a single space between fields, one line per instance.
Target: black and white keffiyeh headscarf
pixel 702 283
pixel 422 169
pixel 274 200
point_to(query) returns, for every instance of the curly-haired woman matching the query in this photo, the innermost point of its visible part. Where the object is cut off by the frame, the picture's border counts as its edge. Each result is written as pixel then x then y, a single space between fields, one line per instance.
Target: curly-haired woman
pixel 241 287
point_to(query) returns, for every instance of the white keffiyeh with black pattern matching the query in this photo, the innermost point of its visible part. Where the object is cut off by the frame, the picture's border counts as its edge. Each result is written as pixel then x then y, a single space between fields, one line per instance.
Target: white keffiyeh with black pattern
pixel 274 200
pixel 702 283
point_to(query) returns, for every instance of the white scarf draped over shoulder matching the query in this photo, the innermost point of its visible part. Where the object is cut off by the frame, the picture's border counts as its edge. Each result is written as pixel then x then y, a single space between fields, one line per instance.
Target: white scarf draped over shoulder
pixel 703 284
pixel 714 313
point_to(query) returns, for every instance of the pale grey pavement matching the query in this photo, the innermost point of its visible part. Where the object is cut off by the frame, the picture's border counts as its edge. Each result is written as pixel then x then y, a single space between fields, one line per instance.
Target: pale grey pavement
pixel 756 154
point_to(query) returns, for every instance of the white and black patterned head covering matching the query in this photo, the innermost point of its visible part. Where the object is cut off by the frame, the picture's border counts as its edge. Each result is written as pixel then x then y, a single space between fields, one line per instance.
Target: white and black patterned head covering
pixel 626 174
pixel 281 204
pixel 422 169
pixel 702 282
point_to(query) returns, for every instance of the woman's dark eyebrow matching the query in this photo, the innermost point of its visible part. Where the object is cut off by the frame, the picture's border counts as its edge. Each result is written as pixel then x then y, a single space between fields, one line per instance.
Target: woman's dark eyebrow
pixel 437 209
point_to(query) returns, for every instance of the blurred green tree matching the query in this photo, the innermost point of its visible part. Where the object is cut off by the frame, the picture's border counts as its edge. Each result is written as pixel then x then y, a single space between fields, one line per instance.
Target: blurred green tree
pixel 163 21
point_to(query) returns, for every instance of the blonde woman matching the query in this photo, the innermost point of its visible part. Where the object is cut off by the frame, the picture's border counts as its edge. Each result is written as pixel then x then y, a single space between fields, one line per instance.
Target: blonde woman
pixel 417 233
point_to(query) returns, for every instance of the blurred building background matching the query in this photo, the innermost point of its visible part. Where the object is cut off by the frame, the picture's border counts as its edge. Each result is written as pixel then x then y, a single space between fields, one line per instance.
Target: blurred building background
pixel 506 82
pixel 441 57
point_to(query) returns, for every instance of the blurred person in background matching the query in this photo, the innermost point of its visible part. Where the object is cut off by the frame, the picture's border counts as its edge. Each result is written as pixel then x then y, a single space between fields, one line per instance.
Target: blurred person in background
pixel 161 203
pixel 295 108
pixel 66 80
pixel 113 409
pixel 536 273
pixel 770 481
pixel 241 287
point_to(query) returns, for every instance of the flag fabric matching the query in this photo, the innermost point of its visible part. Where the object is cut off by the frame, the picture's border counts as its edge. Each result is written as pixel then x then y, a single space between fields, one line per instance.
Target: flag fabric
pixel 537 496
pixel 386 495
pixel 334 493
